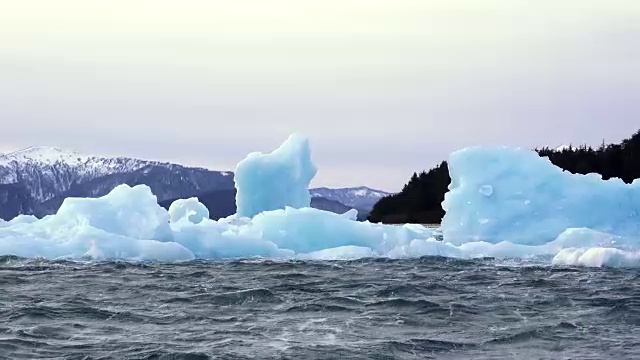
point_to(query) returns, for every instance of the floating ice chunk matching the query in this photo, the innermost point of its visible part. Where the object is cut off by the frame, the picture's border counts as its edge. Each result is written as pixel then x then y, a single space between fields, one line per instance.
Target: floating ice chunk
pixel 352 215
pixel 530 201
pixel 128 211
pixel 272 181
pixel 190 210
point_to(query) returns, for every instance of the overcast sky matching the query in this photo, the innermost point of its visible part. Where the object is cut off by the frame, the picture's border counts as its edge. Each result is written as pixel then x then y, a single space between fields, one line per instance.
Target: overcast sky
pixel 381 88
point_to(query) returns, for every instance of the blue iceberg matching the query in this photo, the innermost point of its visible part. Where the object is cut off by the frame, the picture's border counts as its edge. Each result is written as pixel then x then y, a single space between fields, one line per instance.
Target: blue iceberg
pixel 502 203
pixel 272 181
pixel 512 194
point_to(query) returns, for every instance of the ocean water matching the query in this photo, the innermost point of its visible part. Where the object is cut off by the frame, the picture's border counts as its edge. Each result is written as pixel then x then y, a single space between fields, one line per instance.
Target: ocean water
pixel 367 309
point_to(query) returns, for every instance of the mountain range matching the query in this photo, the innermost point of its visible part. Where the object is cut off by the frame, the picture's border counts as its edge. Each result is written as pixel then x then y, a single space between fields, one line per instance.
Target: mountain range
pixel 360 197
pixel 36 181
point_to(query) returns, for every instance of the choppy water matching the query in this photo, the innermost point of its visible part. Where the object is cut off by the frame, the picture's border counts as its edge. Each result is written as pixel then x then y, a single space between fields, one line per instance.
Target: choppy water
pixel 368 309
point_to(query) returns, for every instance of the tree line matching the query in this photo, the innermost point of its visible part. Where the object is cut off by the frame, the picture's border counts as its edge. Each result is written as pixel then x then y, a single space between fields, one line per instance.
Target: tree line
pixel 420 199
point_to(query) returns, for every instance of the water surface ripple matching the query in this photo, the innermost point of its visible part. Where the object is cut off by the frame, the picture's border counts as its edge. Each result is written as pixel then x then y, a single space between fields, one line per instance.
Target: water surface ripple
pixel 368 309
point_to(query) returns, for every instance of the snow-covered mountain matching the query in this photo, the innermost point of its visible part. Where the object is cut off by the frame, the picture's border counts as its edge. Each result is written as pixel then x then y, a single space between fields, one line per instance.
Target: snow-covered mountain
pixel 360 197
pixel 48 175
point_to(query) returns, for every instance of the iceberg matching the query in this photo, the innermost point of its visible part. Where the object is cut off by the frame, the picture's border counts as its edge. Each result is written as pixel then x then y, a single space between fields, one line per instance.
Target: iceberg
pixel 272 181
pixel 128 224
pixel 274 220
pixel 190 210
pixel 512 194
pixel 503 203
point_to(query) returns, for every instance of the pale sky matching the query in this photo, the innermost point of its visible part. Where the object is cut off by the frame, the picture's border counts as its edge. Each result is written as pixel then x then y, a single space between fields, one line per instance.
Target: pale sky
pixel 381 88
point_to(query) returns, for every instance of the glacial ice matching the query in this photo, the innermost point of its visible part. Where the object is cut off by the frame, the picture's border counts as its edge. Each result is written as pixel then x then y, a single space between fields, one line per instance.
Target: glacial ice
pixel 129 224
pixel 272 181
pixel 503 203
pixel 132 212
pixel 512 194
pixel 190 210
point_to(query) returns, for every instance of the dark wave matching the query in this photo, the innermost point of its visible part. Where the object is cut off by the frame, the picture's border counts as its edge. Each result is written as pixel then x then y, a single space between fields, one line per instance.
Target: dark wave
pixel 424 346
pixel 239 297
pixel 318 308
pixel 419 305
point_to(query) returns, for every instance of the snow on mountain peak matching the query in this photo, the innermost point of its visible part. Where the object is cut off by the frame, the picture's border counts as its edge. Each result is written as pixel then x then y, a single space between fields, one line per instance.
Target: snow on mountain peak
pixel 47 171
pixel 44 154
pixel 366 191
pixel 358 197
pixel 50 155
